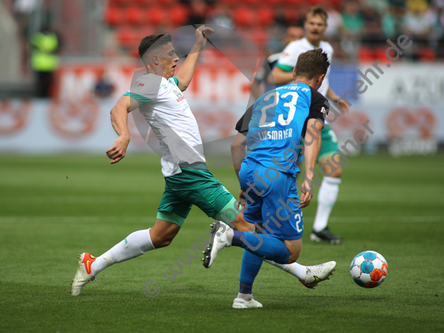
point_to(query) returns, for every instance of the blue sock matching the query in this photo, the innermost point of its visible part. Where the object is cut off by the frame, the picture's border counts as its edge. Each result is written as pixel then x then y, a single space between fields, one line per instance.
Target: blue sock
pixel 269 248
pixel 251 264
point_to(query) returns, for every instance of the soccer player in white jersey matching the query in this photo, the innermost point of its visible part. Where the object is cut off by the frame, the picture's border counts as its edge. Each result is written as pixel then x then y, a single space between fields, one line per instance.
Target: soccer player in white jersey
pixel 158 95
pixel 315 25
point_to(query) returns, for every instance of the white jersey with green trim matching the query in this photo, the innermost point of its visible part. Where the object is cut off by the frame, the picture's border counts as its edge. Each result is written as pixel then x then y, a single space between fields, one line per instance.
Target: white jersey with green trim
pixel 167 112
pixel 289 57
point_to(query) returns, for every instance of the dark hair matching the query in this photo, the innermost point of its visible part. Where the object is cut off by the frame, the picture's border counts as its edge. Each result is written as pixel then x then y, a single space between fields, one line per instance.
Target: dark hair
pixel 149 41
pixel 317 10
pixel 312 64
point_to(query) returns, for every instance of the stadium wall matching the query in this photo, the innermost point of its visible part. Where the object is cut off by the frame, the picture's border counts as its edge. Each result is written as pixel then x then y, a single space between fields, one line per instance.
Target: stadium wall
pixel 404 107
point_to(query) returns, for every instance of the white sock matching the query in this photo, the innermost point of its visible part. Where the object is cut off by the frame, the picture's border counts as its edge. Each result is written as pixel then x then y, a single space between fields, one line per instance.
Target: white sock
pixel 295 269
pixel 131 247
pixel 245 297
pixel 328 193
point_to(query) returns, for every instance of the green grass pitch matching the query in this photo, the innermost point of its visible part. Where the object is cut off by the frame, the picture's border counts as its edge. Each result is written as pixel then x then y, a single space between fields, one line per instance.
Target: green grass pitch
pixel 54 207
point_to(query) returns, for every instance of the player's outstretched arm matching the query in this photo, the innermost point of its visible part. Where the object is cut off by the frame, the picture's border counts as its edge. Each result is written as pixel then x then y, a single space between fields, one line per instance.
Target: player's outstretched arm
pixel 186 71
pixel 311 153
pixel 333 97
pixel 119 120
pixel 279 77
pixel 238 151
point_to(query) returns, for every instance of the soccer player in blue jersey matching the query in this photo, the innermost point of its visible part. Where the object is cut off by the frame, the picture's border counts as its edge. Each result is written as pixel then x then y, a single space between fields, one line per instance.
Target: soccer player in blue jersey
pixel 281 119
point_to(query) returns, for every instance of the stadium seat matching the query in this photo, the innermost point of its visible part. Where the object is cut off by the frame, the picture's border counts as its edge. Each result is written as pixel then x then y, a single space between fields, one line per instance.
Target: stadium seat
pixel 166 3
pixel 157 16
pixel 114 16
pixel 135 16
pixel 120 2
pixel 291 14
pixel 179 15
pixel 427 54
pixel 144 3
pixel 127 37
pixel 244 17
pixel 366 54
pixel 260 37
pixel 272 3
pixel 293 2
pixel 266 17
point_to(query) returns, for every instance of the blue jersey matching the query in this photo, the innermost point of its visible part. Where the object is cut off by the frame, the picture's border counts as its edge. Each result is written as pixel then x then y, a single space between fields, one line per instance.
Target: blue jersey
pixel 276 123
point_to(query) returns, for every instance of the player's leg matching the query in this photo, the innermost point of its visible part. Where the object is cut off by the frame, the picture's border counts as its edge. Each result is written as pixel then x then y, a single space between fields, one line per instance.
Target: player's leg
pixel 329 189
pixel 171 215
pixel 251 264
pixel 263 203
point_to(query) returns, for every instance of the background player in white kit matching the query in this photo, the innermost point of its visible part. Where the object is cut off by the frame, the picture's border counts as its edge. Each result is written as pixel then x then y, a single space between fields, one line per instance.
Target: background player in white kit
pixel 315 25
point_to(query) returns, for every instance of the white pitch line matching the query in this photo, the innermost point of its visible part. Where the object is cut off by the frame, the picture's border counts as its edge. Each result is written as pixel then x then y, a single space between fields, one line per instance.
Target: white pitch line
pixel 149 219
pixel 346 219
pixel 78 199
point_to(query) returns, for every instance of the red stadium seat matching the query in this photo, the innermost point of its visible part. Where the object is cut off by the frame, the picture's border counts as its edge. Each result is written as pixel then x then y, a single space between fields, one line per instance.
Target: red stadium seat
pixel 158 16
pixel 366 54
pixel 291 14
pixel 114 16
pixel 252 3
pixel 293 2
pixel 260 37
pixel 272 3
pixel 427 54
pixel 120 2
pixel 128 37
pixel 143 3
pixel 135 16
pixel 179 15
pixel 266 16
pixel 244 17
pixel 166 3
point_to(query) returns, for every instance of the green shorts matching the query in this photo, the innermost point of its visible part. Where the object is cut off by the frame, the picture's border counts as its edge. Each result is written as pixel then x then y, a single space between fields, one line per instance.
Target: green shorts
pixel 198 187
pixel 329 142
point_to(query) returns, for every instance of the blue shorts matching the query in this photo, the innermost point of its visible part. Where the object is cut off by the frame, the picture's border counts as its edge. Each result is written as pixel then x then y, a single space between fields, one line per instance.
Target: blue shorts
pixel 273 201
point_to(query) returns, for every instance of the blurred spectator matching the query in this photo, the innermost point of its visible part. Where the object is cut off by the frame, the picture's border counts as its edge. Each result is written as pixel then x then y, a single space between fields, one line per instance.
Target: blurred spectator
pixel 280 19
pixel 198 11
pixel 103 87
pixel 334 22
pixel 436 17
pixel 417 26
pixel 379 5
pixel 220 16
pixel 44 59
pixel 353 18
pixel 353 28
pixel 372 35
pixel 393 22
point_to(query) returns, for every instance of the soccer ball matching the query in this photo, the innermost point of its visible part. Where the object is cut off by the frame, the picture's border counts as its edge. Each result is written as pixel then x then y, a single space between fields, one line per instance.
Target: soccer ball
pixel 368 269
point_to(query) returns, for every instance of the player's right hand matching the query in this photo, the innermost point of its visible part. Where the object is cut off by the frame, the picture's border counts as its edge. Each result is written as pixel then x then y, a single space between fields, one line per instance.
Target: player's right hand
pixel 306 194
pixel 118 149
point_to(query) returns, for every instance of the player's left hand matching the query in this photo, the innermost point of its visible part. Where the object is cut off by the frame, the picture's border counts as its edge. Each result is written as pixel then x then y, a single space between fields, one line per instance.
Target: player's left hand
pixel 306 195
pixel 241 200
pixel 202 34
pixel 344 106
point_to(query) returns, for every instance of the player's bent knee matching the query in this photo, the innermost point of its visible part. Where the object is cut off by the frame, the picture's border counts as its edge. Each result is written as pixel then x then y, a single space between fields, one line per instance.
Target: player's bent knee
pixel 162 242
pixel 337 173
pixel 293 257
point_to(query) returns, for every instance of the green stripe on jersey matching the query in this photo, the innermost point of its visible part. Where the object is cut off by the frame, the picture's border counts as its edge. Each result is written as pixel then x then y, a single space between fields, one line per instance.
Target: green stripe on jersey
pixel 176 80
pixel 285 68
pixel 139 98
